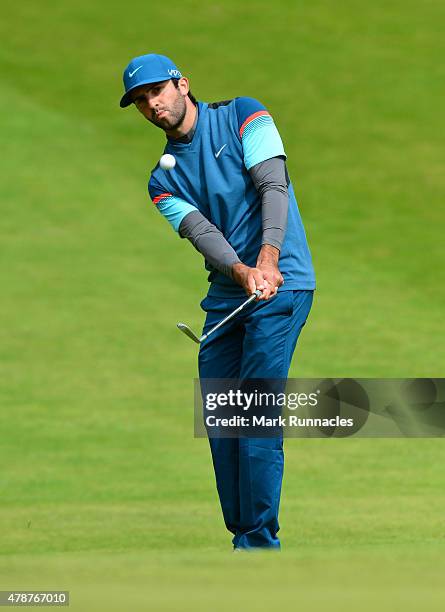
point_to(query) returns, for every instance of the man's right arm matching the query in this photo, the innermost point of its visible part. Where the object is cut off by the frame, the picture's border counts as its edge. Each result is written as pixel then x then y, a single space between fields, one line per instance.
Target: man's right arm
pixel 190 223
pixel 209 241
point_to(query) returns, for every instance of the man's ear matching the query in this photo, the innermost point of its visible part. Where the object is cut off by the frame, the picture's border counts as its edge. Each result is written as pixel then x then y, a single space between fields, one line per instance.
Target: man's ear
pixel 183 85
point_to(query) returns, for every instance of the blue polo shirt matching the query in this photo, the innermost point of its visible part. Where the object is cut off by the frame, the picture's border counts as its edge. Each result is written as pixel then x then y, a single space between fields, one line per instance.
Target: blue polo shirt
pixel 211 175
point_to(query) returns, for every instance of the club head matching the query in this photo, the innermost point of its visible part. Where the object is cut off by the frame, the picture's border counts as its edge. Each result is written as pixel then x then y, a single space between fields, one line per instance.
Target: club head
pixel 188 332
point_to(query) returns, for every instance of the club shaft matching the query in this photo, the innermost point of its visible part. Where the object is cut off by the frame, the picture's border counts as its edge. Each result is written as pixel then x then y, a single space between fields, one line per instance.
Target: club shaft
pixel 232 314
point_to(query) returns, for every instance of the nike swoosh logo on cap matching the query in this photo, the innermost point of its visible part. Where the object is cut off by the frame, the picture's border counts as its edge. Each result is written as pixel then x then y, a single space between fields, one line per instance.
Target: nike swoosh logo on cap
pixel 217 154
pixel 130 74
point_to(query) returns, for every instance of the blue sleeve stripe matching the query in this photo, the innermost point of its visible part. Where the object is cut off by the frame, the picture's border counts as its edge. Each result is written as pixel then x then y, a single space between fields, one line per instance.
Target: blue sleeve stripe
pixel 257 123
pixel 261 141
pixel 251 119
pixel 173 209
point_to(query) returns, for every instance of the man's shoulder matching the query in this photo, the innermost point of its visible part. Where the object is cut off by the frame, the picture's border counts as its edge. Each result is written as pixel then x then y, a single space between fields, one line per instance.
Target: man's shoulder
pixel 240 103
pixel 220 104
pixel 248 104
pixel 242 107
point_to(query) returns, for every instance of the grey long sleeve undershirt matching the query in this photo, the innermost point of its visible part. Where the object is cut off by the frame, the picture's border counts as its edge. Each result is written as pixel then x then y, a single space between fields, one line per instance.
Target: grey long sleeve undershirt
pixel 270 180
pixel 209 241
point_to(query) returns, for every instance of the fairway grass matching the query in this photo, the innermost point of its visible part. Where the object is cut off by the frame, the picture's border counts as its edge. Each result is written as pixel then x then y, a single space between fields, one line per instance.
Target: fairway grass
pixel 190 580
pixel 351 536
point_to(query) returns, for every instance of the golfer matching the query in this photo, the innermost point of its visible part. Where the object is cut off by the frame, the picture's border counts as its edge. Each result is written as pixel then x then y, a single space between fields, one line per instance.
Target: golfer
pixel 230 196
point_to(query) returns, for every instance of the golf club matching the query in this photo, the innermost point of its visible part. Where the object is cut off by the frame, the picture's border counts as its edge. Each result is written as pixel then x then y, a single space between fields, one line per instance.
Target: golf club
pixel 188 332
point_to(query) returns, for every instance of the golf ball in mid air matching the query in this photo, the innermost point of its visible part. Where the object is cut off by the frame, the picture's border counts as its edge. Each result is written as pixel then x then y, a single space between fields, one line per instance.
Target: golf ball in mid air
pixel 167 162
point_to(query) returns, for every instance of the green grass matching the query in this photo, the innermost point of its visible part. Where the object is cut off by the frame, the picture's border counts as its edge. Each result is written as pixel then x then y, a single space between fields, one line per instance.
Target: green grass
pixel 104 491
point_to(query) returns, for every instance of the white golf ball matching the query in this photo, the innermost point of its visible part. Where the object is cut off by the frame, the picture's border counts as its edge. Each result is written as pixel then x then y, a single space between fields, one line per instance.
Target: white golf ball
pixel 167 162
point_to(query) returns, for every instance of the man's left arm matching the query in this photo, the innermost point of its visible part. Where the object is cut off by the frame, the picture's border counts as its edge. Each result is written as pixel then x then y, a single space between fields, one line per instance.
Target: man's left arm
pixel 270 180
pixel 264 158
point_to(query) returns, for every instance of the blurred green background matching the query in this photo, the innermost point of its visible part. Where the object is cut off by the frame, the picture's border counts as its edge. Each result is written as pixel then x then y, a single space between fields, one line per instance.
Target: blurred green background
pixel 104 491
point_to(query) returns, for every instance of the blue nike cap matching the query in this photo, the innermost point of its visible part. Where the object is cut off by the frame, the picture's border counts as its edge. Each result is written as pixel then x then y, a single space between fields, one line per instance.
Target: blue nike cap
pixel 144 69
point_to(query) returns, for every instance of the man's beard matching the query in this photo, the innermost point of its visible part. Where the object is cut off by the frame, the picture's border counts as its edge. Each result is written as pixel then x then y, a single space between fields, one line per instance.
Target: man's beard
pixel 175 117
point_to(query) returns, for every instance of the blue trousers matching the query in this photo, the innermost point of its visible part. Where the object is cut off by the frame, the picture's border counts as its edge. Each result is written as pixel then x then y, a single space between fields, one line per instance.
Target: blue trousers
pixel 259 343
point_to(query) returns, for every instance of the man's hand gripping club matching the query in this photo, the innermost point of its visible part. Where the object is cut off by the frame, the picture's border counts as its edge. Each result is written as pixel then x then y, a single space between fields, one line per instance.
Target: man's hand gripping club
pixel 265 277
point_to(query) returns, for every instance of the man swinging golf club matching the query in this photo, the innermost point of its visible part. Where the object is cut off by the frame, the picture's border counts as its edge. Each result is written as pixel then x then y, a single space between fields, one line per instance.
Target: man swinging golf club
pixel 230 196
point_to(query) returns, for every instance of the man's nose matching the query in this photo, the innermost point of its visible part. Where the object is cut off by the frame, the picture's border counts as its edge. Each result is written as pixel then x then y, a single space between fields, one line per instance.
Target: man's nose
pixel 152 100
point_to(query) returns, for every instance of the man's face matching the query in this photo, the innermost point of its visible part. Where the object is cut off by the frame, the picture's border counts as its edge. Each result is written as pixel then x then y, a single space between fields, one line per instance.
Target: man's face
pixel 162 103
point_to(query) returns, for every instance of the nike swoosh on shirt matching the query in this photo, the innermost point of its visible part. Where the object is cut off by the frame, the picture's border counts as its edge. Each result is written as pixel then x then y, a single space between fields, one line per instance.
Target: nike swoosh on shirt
pixel 217 154
pixel 130 74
